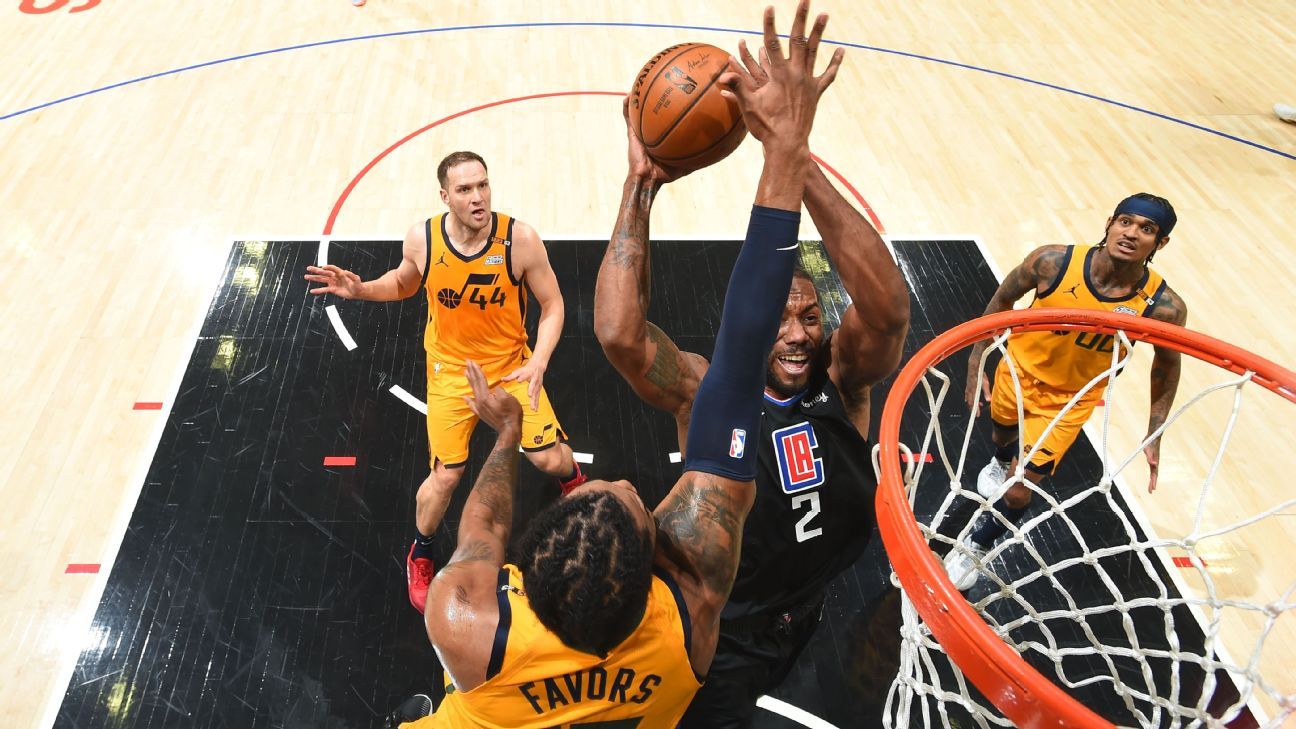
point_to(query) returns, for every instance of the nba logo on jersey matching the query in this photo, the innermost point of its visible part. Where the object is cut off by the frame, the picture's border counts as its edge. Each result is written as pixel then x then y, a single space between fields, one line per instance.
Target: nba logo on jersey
pixel 794 448
pixel 737 443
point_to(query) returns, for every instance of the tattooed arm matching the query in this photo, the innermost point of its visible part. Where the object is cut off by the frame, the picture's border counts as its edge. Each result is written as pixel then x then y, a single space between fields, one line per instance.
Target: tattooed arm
pixel 660 374
pixel 1165 379
pixel 699 532
pixel 462 609
pixel 1040 269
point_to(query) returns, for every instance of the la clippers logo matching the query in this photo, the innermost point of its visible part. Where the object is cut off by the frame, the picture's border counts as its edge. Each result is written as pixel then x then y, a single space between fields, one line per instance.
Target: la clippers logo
pixel 737 443
pixel 794 448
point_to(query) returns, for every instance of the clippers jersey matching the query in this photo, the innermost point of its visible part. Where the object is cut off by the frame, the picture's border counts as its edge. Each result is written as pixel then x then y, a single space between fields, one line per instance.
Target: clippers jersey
pixel 476 309
pixel 536 682
pixel 813 513
pixel 1067 360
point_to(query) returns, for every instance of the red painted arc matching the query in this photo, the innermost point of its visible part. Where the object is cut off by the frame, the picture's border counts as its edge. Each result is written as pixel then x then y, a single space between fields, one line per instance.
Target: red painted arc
pixel 351 186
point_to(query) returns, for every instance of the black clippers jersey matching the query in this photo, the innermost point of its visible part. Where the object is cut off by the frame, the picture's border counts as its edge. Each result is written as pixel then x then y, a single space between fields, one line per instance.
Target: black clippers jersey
pixel 813 514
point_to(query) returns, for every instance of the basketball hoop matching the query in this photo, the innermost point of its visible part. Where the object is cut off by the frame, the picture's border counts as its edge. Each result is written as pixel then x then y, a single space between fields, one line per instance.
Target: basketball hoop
pixel 933 606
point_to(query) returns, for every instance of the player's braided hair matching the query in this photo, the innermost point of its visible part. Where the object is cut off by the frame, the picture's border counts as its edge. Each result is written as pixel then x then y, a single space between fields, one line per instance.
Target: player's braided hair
pixel 586 568
pixel 454 159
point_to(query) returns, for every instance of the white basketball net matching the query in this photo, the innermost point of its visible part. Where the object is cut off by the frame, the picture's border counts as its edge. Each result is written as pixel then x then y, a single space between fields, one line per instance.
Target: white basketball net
pixel 1111 637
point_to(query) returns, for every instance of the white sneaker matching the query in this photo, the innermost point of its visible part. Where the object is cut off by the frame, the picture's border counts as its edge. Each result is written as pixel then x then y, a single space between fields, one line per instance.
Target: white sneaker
pixel 990 482
pixel 1285 112
pixel 962 567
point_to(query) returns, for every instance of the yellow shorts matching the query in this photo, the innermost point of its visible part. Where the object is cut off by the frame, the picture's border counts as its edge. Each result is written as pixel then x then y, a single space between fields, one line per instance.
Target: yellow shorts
pixel 450 421
pixel 1040 404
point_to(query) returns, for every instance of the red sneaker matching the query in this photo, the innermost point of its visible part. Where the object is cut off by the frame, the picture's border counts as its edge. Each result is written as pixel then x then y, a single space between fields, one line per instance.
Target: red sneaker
pixel 418 572
pixel 569 485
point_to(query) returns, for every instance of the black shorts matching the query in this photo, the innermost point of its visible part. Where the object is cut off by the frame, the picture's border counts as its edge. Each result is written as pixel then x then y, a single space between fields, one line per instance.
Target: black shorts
pixel 753 656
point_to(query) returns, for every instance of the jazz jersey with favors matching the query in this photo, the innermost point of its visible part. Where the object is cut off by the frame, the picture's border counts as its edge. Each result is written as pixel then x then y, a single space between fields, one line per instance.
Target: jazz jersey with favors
pixel 813 513
pixel 534 681
pixel 476 309
pixel 1067 360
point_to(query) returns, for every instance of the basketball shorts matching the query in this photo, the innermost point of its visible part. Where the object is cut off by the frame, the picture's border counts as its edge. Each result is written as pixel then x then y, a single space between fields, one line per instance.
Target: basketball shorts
pixel 753 656
pixel 1040 405
pixel 450 421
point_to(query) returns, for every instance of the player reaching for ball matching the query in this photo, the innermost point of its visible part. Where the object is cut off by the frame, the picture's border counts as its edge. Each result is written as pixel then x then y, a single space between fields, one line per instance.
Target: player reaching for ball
pixel 477 267
pixel 813 509
pixel 582 632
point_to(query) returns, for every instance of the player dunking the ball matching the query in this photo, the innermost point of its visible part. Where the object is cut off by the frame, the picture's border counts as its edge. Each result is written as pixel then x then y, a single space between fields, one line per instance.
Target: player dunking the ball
pixel 611 616
pixel 1053 366
pixel 477 266
pixel 814 483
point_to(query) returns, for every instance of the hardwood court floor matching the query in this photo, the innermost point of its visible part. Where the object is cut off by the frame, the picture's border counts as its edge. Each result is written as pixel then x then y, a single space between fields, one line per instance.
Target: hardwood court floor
pixel 119 207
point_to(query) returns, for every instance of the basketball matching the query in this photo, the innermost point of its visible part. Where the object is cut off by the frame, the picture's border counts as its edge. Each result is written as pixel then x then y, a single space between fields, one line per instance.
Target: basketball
pixel 677 111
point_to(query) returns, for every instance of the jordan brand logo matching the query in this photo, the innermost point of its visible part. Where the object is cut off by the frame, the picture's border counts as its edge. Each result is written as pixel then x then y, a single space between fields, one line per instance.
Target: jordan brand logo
pixel 1071 291
pixel 441 261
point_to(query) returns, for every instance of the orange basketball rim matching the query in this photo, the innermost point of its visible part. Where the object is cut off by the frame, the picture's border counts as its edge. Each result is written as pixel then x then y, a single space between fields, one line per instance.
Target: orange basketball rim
pixel 1024 696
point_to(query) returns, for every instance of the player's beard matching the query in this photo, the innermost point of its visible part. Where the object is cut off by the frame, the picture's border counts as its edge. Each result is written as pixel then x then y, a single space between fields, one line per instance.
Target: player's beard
pixel 784 388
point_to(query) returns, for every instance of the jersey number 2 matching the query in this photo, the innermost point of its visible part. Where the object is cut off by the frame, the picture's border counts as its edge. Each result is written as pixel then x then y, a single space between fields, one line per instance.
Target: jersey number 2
pixel 802 533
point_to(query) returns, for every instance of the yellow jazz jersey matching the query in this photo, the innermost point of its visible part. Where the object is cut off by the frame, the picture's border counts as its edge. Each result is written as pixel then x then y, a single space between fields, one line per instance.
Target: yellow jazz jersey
pixel 1069 360
pixel 536 682
pixel 476 309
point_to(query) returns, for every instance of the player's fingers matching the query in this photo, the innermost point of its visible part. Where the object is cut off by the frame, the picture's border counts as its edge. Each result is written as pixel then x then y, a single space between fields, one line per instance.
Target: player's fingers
pixel 320 290
pixel 772 47
pixel 830 73
pixel 797 41
pixel 476 380
pixel 752 65
pixel 812 45
pixel 732 83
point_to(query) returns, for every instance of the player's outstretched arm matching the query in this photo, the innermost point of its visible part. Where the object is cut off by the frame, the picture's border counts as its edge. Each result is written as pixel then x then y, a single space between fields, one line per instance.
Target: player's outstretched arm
pixel 1166 364
pixel 1037 272
pixel 401 282
pixel 659 373
pixel 867 345
pixel 532 263
pixel 462 609
pixel 699 533
pixel 700 522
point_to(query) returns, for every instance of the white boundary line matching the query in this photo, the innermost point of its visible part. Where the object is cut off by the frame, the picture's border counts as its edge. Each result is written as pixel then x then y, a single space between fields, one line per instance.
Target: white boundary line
pixel 340 329
pixel 404 396
pixel 84 616
pixel 797 714
pixel 1093 431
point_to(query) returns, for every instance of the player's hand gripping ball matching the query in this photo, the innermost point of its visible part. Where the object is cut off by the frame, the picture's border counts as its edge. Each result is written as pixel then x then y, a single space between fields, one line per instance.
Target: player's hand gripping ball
pixel 677 111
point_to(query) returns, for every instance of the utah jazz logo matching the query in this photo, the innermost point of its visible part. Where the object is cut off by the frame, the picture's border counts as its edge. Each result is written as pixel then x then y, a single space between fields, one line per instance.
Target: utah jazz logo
pixel 681 80
pixel 794 449
pixel 450 299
